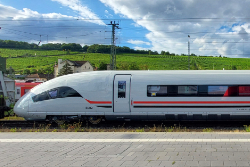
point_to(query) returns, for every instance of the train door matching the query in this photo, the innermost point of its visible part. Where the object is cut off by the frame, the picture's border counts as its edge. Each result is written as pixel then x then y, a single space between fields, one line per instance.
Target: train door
pixel 122 93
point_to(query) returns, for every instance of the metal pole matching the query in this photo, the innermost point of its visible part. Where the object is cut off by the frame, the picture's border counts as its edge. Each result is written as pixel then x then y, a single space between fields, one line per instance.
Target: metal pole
pixel 112 64
pixel 113 48
pixel 188 53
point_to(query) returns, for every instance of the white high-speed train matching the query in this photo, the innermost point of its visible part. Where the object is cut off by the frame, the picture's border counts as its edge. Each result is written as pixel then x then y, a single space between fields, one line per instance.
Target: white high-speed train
pixel 140 95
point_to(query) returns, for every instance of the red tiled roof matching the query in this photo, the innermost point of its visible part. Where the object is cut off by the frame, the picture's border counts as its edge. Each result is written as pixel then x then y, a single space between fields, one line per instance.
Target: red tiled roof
pixel 32 76
pixel 50 76
pixel 78 63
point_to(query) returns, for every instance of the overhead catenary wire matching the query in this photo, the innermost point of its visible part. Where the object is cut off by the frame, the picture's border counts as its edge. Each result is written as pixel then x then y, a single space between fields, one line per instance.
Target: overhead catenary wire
pixel 129 19
pixel 231 34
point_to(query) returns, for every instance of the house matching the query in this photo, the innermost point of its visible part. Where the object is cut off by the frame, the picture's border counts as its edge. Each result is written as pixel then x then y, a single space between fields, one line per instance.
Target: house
pixel 20 76
pixel 76 66
pixel 39 77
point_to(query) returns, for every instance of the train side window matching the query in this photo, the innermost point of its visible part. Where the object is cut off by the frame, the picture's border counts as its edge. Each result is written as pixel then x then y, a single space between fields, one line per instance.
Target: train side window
pixel 231 91
pixel 173 90
pixel 121 89
pixel 244 90
pixel 53 93
pixel 202 89
pixel 18 91
pixel 67 92
pixel 41 97
pixel 157 90
pixel 187 90
pixel 217 90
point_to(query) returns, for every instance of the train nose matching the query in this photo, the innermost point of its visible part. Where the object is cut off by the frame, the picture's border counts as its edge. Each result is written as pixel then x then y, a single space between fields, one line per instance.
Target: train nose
pixel 21 111
pixel 21 108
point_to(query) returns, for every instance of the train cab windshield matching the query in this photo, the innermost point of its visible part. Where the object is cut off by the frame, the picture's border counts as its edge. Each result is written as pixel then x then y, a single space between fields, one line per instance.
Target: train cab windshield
pixel 60 92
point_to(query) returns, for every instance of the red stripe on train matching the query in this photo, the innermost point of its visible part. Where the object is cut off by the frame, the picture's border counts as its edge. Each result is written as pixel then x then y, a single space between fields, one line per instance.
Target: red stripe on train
pixel 98 102
pixel 191 102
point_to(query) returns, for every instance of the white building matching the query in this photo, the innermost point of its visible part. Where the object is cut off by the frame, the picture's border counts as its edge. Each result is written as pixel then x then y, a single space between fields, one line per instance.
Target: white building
pixel 76 66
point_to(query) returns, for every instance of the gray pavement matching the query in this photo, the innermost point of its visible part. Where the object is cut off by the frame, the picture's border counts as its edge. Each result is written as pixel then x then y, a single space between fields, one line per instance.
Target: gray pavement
pixel 124 149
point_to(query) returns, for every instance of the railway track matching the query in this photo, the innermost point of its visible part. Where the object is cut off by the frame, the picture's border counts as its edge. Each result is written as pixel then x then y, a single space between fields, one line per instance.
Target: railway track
pixel 19 124
pixel 192 125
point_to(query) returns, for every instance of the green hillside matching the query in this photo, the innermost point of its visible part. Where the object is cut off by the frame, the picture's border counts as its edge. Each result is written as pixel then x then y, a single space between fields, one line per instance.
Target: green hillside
pixel 20 60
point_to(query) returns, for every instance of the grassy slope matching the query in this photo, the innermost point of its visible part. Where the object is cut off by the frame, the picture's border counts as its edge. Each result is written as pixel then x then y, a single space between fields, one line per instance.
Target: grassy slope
pixel 152 62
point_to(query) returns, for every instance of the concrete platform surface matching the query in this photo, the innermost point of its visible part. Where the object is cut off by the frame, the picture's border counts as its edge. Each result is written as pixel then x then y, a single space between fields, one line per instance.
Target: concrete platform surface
pixel 124 149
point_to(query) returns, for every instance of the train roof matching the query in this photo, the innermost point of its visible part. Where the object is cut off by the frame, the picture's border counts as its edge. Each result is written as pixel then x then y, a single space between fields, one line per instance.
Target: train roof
pixel 168 72
pixel 182 72
pixel 153 73
pixel 27 84
pixel 94 79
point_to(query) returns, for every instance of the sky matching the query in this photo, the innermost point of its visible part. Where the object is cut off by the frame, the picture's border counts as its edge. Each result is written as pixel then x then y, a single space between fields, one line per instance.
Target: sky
pixel 215 27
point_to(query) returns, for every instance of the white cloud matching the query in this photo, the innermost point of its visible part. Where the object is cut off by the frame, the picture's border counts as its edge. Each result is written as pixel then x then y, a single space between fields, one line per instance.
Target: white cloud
pixel 135 24
pixel 137 42
pixel 27 25
pixel 84 11
pixel 140 48
pixel 107 14
pixel 201 19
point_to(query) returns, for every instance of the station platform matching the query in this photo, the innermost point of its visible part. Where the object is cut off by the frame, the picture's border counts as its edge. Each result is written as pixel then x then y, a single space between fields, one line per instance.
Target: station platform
pixel 124 149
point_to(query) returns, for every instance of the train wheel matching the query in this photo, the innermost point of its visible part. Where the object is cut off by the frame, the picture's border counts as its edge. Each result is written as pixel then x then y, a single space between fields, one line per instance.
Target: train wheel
pixel 60 122
pixel 56 120
pixel 95 120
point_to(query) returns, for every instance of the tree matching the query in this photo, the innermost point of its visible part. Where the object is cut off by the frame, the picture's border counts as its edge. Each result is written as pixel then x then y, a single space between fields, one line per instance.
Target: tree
pixel 40 71
pixel 26 71
pixel 102 66
pixel 33 71
pixel 10 70
pixel 234 67
pixel 66 69
pixel 11 73
pixel 85 48
pixel 167 53
pixel 49 70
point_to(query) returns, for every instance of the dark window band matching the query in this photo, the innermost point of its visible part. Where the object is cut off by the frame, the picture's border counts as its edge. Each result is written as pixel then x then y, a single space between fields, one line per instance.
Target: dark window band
pixel 60 92
pixel 198 90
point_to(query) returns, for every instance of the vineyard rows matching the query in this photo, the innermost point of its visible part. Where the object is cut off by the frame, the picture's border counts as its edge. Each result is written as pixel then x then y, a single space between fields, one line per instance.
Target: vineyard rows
pixel 41 59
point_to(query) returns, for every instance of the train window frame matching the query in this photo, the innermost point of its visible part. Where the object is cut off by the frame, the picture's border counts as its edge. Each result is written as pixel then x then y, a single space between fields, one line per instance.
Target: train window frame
pixel 217 90
pixel 76 94
pixel 37 97
pixel 186 92
pixel 231 91
pixel 202 91
pixel 121 92
pixel 157 93
pixel 243 95
pixel 34 98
